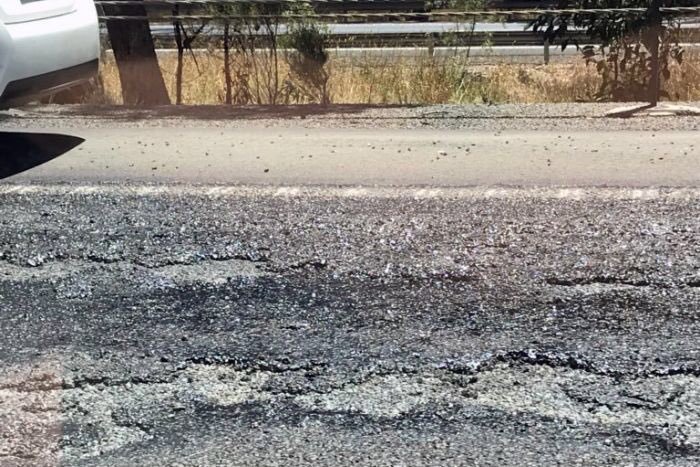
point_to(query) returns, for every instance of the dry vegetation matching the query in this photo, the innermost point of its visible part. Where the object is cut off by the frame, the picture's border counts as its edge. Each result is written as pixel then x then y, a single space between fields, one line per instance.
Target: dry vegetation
pixel 426 80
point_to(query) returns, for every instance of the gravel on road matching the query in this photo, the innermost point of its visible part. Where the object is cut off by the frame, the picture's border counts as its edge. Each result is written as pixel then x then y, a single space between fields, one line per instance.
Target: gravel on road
pixel 515 117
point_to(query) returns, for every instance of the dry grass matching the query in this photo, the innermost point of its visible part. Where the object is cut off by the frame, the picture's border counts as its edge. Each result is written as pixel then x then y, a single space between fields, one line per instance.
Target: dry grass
pixel 426 80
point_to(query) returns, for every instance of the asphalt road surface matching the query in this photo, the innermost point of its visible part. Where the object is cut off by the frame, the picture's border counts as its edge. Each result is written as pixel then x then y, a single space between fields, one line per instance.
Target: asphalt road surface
pixel 232 321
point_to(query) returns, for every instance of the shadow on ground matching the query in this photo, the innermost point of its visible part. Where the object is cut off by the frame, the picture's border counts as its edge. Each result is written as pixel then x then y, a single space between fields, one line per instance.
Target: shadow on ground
pixel 23 151
pixel 221 112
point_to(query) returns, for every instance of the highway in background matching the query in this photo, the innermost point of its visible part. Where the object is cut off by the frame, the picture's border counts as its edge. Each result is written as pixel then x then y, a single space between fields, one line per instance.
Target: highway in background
pixel 484 42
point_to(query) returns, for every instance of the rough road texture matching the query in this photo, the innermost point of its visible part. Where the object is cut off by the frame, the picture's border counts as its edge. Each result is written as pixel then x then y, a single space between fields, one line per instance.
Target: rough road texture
pixel 252 328
pixel 479 117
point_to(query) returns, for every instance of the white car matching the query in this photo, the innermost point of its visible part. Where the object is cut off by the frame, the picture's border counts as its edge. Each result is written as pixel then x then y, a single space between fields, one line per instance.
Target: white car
pixel 46 46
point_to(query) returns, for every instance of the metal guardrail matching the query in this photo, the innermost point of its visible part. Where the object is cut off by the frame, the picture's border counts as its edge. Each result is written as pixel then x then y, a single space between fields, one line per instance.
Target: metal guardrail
pixel 163 33
pixel 114 10
pixel 421 35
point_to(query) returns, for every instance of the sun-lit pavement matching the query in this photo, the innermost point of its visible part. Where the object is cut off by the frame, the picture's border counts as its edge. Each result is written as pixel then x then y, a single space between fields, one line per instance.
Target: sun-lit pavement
pixel 166 319
pixel 414 157
pixel 434 146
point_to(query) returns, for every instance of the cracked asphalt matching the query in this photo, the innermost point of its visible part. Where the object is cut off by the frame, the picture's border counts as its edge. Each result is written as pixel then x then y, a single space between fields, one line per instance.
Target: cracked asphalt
pixel 198 325
pixel 317 329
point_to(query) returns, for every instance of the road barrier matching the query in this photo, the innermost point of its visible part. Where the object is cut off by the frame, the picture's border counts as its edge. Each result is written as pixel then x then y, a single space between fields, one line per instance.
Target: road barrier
pixel 407 14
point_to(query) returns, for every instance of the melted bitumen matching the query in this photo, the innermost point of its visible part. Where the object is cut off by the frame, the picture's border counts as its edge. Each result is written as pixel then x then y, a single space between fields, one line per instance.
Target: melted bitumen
pixel 318 330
